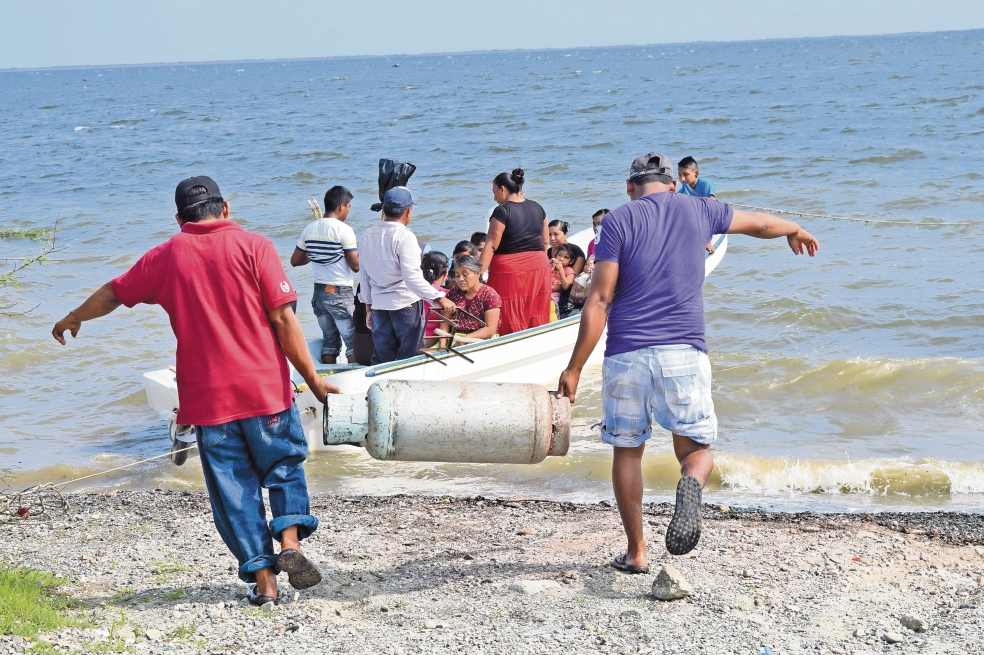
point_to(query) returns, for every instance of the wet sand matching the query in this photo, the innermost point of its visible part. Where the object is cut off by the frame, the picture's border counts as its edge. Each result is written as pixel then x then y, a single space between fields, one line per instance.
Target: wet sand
pixel 438 575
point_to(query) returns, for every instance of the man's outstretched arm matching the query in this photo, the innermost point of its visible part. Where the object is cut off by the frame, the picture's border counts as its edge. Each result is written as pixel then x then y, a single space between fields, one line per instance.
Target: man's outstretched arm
pixel 99 304
pixel 767 226
pixel 594 316
pixel 290 335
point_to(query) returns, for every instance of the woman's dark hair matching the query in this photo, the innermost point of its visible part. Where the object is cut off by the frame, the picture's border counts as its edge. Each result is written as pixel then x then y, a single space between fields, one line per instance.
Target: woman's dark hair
pixel 601 212
pixel 211 208
pixel 336 197
pixel 563 225
pixel 463 246
pixel 434 264
pixel 478 238
pixel 512 182
pixel 470 263
pixel 565 247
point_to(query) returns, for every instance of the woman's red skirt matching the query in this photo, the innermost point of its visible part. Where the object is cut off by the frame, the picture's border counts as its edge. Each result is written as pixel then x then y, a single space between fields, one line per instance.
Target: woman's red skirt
pixel 523 281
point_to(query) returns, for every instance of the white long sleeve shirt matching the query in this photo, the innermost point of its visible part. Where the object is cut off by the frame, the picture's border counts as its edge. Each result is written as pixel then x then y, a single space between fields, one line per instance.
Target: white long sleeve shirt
pixel 389 268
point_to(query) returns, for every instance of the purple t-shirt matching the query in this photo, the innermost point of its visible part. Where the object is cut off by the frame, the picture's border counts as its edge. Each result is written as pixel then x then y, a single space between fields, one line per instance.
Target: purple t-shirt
pixel 658 241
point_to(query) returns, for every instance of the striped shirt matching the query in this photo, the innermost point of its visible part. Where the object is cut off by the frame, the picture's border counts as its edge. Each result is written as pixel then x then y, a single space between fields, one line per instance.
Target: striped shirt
pixel 326 241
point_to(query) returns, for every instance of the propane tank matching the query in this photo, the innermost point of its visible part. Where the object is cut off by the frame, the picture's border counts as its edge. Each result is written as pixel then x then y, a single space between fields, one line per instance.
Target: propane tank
pixel 479 422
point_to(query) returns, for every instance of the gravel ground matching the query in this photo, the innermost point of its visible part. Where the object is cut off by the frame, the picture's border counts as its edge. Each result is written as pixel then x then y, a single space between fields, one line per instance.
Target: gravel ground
pixel 437 575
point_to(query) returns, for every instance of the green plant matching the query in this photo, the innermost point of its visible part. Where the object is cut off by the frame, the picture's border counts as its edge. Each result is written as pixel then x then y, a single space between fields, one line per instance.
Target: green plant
pixel 182 632
pixel 30 602
pixel 177 594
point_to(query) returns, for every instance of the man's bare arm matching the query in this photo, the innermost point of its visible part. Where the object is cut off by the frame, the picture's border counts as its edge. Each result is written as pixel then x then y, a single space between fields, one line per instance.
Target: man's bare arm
pixel 300 258
pixel 352 259
pixel 290 335
pixel 767 226
pixel 594 316
pixel 99 304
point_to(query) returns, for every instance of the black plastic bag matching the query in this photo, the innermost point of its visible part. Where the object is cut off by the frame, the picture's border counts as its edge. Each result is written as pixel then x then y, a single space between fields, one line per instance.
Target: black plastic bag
pixel 391 174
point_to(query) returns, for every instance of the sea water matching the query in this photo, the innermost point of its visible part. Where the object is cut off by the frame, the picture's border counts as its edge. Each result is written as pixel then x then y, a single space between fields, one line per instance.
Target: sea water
pixel 851 381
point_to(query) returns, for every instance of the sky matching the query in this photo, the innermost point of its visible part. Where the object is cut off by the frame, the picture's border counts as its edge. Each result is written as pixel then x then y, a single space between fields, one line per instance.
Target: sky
pixel 43 33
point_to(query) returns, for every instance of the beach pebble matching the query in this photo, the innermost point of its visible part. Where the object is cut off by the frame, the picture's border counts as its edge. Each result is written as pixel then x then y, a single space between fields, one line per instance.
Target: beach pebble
pixel 534 586
pixel 153 635
pixel 671 585
pixel 810 528
pixel 724 508
pixel 979 550
pixel 893 637
pixel 914 623
pixel 430 624
pixel 747 573
pixel 526 531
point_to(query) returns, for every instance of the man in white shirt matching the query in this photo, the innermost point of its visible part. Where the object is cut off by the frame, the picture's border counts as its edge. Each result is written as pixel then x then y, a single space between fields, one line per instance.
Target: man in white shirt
pixel 329 245
pixel 391 283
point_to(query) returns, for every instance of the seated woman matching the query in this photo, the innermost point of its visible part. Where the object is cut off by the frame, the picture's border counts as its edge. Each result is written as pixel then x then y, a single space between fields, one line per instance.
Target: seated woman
pixel 563 277
pixel 435 268
pixel 557 231
pixel 479 302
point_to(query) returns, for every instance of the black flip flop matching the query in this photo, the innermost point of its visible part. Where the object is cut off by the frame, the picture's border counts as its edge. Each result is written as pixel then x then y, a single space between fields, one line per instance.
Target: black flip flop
pixel 683 532
pixel 259 599
pixel 301 572
pixel 619 563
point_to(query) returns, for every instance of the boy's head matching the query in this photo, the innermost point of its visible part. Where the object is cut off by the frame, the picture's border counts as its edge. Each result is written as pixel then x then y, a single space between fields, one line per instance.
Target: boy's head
pixel 596 219
pixel 463 249
pixel 478 240
pixel 687 171
pixel 338 202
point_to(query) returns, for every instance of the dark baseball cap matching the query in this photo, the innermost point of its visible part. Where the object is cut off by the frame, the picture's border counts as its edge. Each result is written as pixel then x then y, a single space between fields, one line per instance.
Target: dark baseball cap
pixel 184 197
pixel 651 164
pixel 398 198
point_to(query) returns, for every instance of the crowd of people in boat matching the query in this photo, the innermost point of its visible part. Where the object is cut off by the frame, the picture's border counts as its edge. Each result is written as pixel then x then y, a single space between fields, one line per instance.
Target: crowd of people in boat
pixel 385 298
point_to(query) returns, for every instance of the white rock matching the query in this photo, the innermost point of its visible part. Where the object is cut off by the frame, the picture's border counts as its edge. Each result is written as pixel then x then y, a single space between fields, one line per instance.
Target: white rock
pixel 671 585
pixel 430 624
pixel 893 637
pixel 534 586
pixel 154 635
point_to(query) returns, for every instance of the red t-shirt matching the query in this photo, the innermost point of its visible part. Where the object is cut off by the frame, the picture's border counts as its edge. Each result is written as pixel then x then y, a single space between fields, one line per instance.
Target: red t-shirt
pixel 216 281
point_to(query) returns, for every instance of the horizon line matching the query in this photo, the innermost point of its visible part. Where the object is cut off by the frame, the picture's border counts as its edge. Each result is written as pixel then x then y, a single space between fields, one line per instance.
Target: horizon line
pixel 465 52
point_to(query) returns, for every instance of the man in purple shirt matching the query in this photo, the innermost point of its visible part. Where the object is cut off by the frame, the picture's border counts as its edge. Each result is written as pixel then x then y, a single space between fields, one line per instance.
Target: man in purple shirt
pixel 647 286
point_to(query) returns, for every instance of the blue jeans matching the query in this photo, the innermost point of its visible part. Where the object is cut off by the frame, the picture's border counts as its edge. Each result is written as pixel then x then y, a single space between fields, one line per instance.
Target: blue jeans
pixel 397 333
pixel 334 314
pixel 239 459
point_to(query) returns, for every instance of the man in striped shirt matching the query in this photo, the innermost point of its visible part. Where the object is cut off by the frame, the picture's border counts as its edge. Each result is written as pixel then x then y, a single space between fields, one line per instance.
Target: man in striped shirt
pixel 329 245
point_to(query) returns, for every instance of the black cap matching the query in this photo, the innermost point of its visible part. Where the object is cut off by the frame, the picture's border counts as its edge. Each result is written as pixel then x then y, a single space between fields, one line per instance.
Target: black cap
pixel 651 164
pixel 183 197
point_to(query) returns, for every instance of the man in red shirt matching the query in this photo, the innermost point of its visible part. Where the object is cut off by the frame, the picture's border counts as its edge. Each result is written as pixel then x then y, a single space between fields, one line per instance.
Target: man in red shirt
pixel 228 299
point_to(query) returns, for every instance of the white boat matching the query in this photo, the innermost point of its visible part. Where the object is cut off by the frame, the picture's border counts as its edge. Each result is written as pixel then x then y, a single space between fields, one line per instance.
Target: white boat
pixel 535 355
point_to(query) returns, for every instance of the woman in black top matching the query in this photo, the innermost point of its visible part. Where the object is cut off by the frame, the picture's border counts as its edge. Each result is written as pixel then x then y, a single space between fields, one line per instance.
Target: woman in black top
pixel 515 256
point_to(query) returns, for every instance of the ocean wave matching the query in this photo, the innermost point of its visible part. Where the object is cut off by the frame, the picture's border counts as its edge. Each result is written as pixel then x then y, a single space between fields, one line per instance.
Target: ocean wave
pixel 884 476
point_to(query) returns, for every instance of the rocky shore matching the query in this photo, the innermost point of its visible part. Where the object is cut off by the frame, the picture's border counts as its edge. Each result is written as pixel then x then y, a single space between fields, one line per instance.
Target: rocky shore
pixel 439 575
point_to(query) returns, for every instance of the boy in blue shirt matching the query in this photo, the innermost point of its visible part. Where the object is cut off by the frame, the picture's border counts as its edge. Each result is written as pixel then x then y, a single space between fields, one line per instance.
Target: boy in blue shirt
pixel 691 184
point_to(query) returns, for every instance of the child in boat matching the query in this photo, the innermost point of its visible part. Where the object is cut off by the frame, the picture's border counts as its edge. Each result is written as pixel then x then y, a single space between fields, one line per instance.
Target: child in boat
pixel 478 240
pixel 563 274
pixel 434 265
pixel 692 184
pixel 462 249
pixel 479 303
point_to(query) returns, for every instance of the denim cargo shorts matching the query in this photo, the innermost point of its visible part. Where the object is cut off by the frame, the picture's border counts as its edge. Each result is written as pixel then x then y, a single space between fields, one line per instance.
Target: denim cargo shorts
pixel 668 384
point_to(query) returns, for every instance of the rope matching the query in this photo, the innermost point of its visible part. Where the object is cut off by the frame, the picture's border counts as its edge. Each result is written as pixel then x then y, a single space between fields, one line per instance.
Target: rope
pixel 851 219
pixel 45 500
pixel 125 466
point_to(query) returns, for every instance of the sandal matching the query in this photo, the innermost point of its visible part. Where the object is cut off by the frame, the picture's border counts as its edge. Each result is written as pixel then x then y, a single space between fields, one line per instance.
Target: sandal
pixel 260 600
pixel 619 563
pixel 301 572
